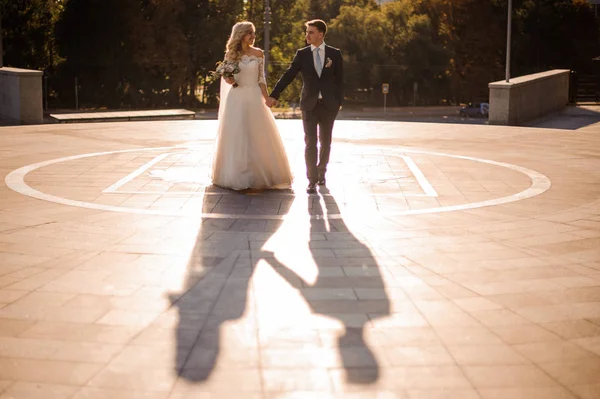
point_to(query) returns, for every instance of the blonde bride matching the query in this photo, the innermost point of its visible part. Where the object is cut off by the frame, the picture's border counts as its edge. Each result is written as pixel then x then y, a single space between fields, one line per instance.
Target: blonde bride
pixel 249 152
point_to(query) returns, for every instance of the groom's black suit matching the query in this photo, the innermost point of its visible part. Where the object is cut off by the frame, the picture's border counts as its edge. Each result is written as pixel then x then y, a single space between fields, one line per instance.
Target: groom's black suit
pixel 316 112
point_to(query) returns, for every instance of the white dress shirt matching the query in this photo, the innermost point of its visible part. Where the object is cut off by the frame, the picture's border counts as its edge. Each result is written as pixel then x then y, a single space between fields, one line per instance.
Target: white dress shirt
pixel 321 55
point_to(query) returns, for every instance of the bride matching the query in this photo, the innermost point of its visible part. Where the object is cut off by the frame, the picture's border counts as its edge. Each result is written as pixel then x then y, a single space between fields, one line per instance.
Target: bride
pixel 249 151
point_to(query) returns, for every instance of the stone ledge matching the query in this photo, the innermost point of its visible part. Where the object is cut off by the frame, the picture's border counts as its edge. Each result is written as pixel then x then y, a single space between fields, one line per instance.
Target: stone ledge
pixel 21 96
pixel 20 72
pixel 124 115
pixel 528 97
pixel 527 79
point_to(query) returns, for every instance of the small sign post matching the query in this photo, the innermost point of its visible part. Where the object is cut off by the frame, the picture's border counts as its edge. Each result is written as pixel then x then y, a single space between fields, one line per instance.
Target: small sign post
pixel 385 89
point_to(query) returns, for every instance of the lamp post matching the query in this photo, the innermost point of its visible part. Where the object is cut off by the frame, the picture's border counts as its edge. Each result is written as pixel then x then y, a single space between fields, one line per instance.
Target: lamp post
pixel 508 36
pixel 267 34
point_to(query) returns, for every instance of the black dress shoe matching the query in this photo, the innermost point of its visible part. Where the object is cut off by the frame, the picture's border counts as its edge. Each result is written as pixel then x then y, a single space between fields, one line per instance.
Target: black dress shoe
pixel 321 182
pixel 312 189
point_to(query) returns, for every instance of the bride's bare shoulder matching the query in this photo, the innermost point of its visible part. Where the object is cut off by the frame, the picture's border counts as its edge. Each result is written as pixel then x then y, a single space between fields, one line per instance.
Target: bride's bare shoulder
pixel 257 52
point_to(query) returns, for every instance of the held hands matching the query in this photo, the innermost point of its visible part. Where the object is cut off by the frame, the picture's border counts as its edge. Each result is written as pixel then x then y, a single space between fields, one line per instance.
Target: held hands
pixel 270 102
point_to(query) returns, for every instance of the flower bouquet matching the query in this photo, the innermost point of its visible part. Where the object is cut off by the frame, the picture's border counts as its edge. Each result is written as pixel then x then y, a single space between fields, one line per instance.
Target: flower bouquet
pixel 227 69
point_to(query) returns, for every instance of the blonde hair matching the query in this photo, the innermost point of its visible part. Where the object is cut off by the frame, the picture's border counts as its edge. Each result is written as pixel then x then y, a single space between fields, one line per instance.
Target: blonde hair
pixel 234 44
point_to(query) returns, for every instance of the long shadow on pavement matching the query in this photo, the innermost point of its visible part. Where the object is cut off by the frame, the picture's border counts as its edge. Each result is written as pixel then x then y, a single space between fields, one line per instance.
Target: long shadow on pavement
pixel 362 277
pixel 217 282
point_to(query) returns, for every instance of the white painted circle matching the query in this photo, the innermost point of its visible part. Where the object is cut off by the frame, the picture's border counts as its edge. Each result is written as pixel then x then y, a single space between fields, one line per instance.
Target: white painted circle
pixel 15 180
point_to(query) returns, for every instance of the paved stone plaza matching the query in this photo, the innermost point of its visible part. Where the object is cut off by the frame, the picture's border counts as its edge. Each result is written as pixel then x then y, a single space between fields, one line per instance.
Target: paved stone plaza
pixel 441 261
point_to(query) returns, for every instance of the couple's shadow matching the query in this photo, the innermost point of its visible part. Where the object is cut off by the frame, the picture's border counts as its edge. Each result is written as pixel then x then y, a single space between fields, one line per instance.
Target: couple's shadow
pixel 348 288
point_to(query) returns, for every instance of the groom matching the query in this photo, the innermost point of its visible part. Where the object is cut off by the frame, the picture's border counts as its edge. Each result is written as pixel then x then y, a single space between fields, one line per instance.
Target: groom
pixel 322 72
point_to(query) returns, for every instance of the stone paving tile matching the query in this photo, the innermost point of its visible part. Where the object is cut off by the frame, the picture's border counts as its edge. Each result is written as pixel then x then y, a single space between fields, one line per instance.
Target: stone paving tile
pixel 430 377
pixel 526 334
pixel 79 332
pixel 526 393
pixel 586 391
pixel 47 371
pixel 351 395
pixel 12 328
pixel 135 377
pixel 4 385
pixel 505 376
pixel 573 329
pixel 435 355
pixel 466 393
pixel 363 291
pixel 583 371
pixel 27 390
pixel 563 351
pixel 102 393
pixel 486 355
pixel 592 344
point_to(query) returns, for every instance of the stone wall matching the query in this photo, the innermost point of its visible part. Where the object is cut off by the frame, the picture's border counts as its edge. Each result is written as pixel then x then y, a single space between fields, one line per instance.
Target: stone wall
pixel 528 97
pixel 21 96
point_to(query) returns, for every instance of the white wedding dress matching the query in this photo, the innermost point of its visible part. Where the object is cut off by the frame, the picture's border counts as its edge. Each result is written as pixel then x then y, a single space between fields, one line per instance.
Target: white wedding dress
pixel 249 151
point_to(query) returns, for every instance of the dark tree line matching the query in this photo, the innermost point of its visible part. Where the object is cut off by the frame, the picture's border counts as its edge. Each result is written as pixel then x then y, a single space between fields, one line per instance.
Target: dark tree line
pixel 159 53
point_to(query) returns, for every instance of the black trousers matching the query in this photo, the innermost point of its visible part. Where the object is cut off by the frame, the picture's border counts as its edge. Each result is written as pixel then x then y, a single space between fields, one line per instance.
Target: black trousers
pixel 318 127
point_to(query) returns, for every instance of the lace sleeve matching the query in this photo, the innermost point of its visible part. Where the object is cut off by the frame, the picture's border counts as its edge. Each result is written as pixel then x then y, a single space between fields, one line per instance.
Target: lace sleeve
pixel 261 71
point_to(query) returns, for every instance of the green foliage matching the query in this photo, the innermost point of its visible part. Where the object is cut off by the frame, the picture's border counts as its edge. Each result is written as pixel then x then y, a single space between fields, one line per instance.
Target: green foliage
pixel 158 53
pixel 546 34
pixel 287 35
pixel 392 44
pixel 95 37
pixel 150 53
pixel 556 34
pixel 27 27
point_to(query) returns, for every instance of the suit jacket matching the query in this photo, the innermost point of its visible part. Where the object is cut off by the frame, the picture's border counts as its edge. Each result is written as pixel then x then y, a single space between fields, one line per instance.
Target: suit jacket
pixel 330 83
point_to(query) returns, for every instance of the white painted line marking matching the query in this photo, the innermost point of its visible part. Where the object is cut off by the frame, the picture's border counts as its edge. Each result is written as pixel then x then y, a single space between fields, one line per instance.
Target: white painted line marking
pixel 204 193
pixel 15 180
pixel 135 173
pixel 421 179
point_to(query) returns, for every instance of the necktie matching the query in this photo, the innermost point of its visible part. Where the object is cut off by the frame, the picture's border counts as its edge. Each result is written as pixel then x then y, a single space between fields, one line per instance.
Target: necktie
pixel 318 63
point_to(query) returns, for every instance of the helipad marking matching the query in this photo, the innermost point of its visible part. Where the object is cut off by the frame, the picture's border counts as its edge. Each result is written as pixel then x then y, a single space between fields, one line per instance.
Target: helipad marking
pixel 423 182
pixel 135 173
pixel 15 180
pixel 428 190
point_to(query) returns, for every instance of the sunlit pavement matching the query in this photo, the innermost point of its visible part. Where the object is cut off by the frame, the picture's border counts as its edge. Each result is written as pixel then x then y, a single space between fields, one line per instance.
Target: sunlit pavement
pixel 440 261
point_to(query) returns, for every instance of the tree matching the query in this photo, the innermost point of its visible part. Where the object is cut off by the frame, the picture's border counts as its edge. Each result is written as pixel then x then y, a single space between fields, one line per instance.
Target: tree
pixel 144 53
pixel 546 34
pixel 287 35
pixel 95 37
pixel 474 34
pixel 555 34
pixel 392 44
pixel 411 44
pixel 28 30
pixel 158 53
pixel 206 26
pixel 361 34
pixel 327 10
